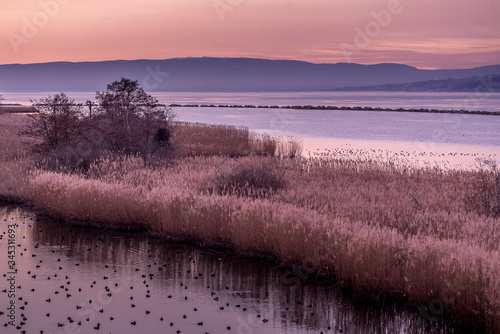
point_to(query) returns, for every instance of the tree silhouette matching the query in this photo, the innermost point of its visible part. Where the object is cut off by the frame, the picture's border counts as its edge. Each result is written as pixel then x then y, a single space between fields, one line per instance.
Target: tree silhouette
pixel 56 123
pixel 131 118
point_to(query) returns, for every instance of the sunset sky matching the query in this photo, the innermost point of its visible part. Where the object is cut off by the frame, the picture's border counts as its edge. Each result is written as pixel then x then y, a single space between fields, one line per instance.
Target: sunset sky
pixel 422 33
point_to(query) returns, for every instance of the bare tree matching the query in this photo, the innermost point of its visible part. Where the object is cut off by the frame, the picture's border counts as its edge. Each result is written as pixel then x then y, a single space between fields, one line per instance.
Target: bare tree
pixel 133 120
pixel 56 122
pixel 127 120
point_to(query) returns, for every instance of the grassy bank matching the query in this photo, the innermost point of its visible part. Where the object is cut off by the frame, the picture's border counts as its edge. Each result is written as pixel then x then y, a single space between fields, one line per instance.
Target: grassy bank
pixel 425 234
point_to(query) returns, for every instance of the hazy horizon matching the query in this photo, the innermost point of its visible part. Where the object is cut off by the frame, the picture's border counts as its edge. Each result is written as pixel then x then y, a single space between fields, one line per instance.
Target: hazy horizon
pixel 259 58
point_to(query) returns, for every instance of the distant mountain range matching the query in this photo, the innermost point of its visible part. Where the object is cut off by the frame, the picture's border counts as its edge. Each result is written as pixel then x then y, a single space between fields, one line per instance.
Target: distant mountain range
pixel 487 83
pixel 235 75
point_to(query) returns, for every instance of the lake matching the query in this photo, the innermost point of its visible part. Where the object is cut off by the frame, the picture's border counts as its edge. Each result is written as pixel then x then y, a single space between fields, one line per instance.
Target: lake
pixel 424 137
pixel 81 280
pixel 442 100
pixel 453 139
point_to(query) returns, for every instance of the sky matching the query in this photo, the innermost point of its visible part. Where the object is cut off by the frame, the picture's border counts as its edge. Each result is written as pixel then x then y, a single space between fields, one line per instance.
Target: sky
pixel 428 34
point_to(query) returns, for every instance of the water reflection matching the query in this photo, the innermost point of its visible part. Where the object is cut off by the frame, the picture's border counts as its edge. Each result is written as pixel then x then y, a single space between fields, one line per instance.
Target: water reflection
pixel 77 280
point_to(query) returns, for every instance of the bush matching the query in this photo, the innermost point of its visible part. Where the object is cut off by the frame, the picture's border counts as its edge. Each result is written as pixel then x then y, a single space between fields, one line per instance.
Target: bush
pixel 250 176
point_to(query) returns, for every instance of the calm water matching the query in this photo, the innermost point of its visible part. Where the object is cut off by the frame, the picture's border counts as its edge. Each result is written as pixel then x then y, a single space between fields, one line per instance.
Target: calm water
pixel 467 101
pixel 77 280
pixel 423 137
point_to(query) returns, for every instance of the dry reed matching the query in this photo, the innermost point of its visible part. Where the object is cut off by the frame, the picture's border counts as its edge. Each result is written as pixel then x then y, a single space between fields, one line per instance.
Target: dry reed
pixel 15 160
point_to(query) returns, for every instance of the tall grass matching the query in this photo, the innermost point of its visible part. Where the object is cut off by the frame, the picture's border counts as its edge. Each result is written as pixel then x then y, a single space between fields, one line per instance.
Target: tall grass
pixel 15 160
pixel 248 177
pixel 196 139
pixel 381 227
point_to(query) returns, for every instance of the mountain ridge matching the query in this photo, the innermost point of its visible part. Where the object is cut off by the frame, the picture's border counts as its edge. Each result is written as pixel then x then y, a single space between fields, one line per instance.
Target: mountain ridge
pixel 489 83
pixel 218 74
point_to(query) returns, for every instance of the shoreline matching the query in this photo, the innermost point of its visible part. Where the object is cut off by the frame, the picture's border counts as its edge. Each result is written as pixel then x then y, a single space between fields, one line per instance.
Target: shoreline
pixel 19 108
pixel 311 107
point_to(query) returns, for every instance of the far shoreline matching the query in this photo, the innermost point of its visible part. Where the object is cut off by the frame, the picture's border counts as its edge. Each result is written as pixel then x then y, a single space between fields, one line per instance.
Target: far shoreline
pixel 20 108
pixel 311 107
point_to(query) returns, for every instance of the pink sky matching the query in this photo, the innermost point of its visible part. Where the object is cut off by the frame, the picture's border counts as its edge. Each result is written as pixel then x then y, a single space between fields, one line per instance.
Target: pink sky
pixel 421 33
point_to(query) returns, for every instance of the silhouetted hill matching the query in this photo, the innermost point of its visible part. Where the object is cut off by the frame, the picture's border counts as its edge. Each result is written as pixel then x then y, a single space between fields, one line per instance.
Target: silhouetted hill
pixel 487 83
pixel 216 74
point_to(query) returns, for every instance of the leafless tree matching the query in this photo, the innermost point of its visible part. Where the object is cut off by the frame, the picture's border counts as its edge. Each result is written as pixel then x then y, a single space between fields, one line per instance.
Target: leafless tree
pixel 133 120
pixel 56 122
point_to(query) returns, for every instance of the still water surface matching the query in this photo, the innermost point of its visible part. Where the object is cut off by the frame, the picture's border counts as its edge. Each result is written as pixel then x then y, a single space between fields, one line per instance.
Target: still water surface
pixel 420 137
pixel 77 280
pixel 456 139
pixel 486 101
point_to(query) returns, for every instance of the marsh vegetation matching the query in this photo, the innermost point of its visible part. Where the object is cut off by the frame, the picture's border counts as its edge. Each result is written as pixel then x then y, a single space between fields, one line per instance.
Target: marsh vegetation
pixel 422 234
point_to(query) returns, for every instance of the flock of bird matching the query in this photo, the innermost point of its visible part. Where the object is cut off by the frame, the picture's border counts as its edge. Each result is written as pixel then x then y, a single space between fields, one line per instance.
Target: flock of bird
pixel 462 159
pixel 62 293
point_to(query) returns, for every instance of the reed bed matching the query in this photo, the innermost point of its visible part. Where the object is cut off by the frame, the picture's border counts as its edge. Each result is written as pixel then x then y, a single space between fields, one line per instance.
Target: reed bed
pixel 382 227
pixel 15 160
pixel 376 228
pixel 196 139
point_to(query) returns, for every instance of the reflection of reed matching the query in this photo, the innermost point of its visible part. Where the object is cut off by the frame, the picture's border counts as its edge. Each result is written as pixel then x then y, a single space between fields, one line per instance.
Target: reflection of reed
pixel 10 211
pixel 256 286
pixel 87 245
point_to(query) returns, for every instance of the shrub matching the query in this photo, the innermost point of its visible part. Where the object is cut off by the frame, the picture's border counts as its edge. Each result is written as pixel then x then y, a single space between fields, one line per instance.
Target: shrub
pixel 162 136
